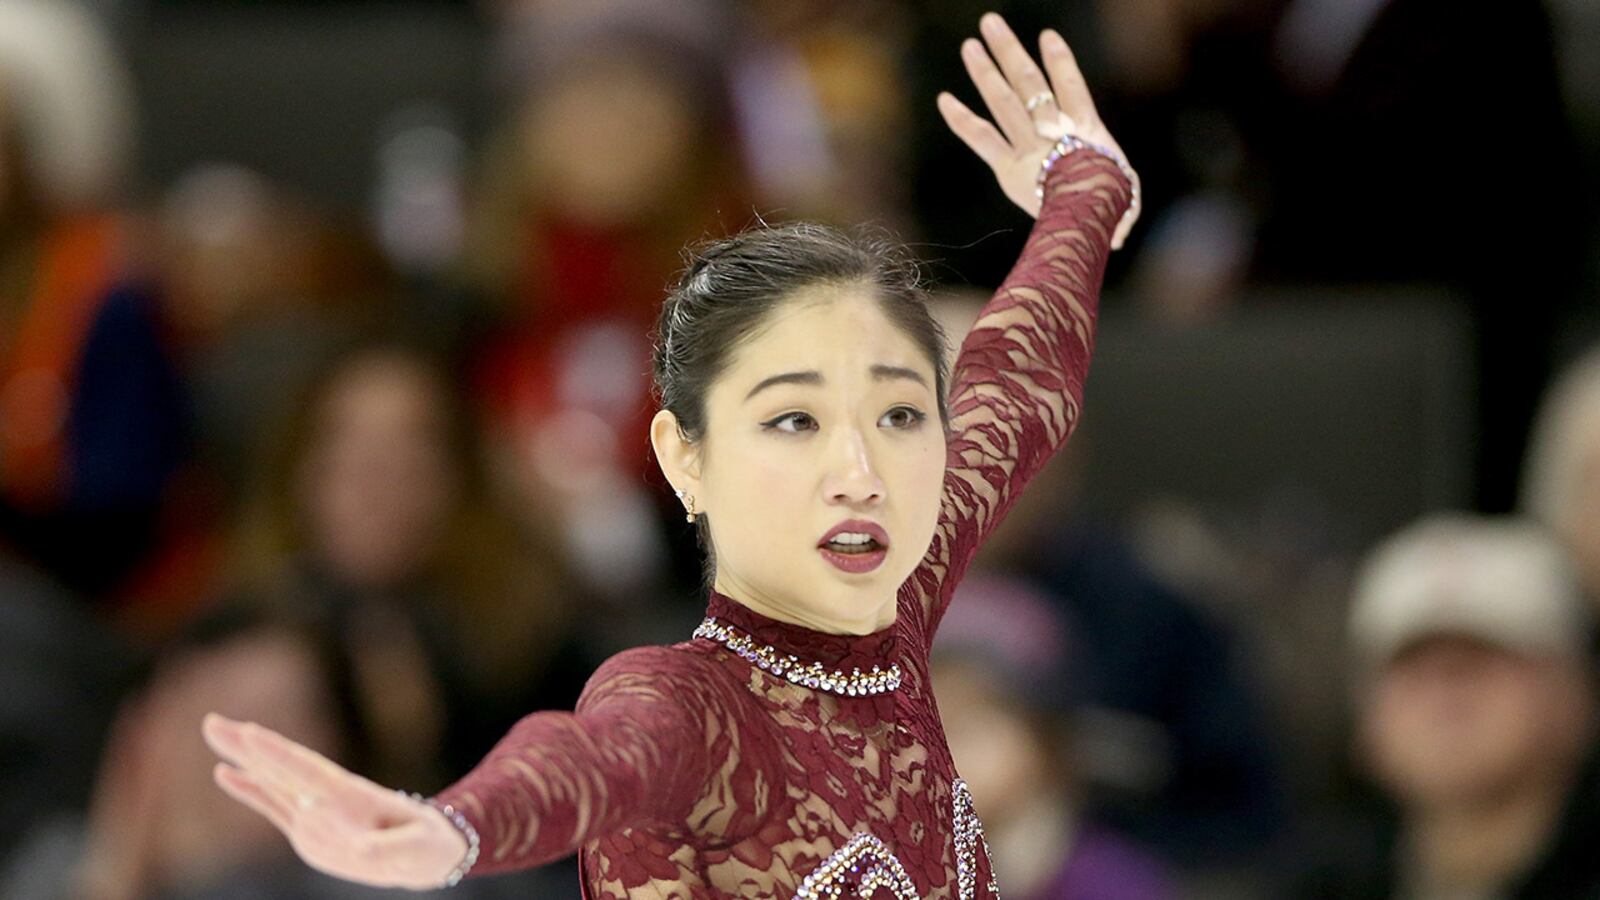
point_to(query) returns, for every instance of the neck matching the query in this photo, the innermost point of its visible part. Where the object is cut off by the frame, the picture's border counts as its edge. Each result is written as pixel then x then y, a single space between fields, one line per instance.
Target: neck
pixel 876 618
pixel 1481 844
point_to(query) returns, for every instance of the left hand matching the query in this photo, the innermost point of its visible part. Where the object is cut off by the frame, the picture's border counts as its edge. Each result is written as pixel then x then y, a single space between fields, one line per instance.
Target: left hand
pixel 338 822
pixel 1060 106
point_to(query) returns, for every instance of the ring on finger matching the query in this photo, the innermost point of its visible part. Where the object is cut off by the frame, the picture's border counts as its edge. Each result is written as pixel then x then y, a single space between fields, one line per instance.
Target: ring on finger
pixel 1040 99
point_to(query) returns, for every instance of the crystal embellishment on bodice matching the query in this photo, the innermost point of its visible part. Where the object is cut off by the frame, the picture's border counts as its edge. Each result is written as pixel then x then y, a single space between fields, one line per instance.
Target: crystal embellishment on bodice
pixel 807 674
pixel 968 837
pixel 858 869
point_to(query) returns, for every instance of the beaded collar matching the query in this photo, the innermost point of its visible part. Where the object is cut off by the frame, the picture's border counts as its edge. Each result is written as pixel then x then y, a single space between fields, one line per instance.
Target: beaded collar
pixel 848 665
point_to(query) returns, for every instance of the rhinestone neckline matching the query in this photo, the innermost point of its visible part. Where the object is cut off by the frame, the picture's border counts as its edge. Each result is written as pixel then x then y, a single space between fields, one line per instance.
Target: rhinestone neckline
pixel 855 683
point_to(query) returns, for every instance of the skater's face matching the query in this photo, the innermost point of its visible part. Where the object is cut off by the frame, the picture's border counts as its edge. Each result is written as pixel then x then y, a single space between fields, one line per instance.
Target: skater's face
pixel 827 413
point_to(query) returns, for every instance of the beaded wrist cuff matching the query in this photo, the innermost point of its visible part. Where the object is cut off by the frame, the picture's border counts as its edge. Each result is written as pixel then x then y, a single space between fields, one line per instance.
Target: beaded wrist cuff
pixel 462 825
pixel 1070 143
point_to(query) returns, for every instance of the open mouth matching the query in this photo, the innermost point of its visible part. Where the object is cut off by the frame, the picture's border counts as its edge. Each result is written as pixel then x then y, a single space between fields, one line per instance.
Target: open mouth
pixel 853 548
pixel 855 545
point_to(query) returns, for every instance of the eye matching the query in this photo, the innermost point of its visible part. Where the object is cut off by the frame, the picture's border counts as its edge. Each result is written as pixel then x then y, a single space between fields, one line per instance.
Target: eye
pixel 802 422
pixel 905 417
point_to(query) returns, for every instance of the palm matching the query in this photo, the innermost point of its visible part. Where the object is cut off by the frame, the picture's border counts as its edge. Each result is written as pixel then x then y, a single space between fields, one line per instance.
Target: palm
pixel 337 821
pixel 1062 105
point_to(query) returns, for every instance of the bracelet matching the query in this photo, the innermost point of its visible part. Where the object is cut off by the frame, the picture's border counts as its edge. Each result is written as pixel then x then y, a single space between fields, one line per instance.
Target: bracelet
pixel 462 825
pixel 1070 143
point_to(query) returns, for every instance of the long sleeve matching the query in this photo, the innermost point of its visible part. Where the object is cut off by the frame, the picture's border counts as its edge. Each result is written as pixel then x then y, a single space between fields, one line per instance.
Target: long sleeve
pixel 1017 385
pixel 635 751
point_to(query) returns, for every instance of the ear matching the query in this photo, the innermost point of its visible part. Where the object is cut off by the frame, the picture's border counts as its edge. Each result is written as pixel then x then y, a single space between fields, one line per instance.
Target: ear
pixel 678 458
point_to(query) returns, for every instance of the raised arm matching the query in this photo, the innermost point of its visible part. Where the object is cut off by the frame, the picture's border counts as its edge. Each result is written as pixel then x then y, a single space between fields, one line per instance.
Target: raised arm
pixel 635 751
pixel 1017 386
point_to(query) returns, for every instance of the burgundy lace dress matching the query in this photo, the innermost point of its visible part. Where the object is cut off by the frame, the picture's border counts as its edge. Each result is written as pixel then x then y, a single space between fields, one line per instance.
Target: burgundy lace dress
pixel 763 759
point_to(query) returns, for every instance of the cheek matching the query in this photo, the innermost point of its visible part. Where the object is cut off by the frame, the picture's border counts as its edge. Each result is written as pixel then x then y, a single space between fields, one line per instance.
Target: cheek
pixel 754 489
pixel 925 485
pixel 753 475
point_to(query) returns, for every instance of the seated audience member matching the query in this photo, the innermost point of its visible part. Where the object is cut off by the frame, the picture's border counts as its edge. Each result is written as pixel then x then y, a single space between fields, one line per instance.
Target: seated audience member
pixel 1005 675
pixel 93 410
pixel 371 513
pixel 1476 718
pixel 158 828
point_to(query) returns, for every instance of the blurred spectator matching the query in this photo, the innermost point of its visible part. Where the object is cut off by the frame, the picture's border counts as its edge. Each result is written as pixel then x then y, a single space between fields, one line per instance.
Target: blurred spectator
pixel 262 286
pixel 613 153
pixel 616 150
pixel 93 418
pixel 158 828
pixel 1476 707
pixel 1180 753
pixel 371 516
pixel 1561 484
pixel 825 109
pixel 1185 84
pixel 1009 691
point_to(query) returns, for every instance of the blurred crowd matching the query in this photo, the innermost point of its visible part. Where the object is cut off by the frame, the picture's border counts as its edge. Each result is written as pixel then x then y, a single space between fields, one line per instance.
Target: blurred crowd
pixel 368 463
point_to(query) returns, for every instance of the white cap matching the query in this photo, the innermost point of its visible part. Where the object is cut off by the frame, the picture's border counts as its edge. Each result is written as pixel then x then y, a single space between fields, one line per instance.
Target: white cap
pixel 1503 581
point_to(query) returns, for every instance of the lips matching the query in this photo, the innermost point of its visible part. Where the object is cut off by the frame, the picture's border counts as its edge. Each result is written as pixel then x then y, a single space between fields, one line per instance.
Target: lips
pixel 858 561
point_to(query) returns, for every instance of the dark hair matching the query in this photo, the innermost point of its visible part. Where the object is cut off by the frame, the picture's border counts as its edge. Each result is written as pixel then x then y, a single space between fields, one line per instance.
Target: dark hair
pixel 732 285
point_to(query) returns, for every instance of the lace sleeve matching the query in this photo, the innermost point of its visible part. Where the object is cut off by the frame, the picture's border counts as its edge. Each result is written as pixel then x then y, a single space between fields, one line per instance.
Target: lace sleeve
pixel 1017 384
pixel 633 752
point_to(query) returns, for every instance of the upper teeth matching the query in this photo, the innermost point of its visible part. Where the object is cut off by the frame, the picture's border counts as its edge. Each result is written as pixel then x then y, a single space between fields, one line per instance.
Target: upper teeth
pixel 851 537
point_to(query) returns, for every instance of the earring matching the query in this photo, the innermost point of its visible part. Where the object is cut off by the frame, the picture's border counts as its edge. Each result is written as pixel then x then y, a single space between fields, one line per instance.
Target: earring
pixel 688 505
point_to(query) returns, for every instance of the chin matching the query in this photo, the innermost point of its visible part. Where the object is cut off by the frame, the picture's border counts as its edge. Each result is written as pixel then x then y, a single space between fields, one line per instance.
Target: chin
pixel 859 608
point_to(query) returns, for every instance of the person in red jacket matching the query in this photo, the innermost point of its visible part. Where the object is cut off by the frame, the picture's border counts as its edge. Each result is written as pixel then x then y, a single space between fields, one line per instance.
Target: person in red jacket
pixel 94 415
pixel 792 747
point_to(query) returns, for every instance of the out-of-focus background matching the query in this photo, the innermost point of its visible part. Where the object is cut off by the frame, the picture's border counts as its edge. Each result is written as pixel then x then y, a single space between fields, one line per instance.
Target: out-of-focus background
pixel 323 341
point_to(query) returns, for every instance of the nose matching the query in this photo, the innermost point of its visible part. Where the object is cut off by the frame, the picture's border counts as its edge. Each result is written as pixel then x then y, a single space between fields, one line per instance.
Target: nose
pixel 852 478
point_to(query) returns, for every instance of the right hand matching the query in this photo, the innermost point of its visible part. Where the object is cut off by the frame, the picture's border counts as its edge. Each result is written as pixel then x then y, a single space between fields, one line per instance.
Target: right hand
pixel 1015 149
pixel 337 821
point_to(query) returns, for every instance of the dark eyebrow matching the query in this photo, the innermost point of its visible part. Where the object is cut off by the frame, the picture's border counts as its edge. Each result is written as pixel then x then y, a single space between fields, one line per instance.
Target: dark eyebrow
pixel 879 371
pixel 808 377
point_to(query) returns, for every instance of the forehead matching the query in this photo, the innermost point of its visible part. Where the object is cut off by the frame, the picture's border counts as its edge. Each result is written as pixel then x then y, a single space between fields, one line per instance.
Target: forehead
pixel 382 389
pixel 825 326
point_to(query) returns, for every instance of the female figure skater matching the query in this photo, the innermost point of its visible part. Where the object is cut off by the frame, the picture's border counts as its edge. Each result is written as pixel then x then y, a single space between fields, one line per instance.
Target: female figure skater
pixel 792 747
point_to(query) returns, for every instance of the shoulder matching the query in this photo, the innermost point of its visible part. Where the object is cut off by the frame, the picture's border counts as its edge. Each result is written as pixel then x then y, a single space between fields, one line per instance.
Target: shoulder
pixel 667 673
pixel 667 660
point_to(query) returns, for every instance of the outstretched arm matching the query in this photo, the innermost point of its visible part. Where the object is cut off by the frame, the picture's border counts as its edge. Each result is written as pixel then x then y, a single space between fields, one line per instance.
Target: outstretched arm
pixel 1017 386
pixel 638 749
pixel 633 752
